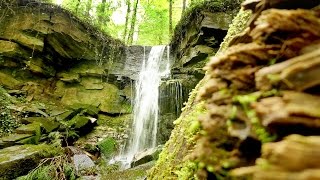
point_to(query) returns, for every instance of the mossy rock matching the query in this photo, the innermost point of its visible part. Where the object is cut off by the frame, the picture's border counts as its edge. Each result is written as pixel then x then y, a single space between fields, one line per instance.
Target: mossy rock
pixel 108 99
pixel 18 160
pixel 114 122
pixel 85 108
pixel 13 139
pixel 78 121
pixel 107 147
pixel 8 81
pixel 137 173
pixel 65 116
pixel 48 123
pixel 33 128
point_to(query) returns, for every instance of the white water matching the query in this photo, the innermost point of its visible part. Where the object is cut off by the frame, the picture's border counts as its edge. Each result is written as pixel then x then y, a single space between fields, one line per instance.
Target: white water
pixel 146 107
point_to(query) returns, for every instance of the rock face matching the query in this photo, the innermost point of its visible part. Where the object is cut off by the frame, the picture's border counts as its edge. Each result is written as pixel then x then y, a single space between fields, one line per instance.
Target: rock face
pixel 174 160
pixel 258 92
pixel 53 58
pixel 195 39
pixel 18 160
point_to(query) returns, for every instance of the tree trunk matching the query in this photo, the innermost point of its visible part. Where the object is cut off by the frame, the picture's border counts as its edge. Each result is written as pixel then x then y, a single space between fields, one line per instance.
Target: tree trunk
pixel 127 20
pixel 184 5
pixel 170 19
pixel 133 22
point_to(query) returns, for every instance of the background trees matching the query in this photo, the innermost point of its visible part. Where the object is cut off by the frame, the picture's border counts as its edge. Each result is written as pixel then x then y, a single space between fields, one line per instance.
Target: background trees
pixel 144 22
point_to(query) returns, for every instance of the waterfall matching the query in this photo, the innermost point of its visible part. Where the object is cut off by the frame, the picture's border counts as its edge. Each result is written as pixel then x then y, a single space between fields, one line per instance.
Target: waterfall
pixel 146 107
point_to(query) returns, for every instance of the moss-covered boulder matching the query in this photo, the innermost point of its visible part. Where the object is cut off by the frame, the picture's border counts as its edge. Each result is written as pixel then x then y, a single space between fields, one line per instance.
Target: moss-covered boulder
pixel 108 147
pixel 15 164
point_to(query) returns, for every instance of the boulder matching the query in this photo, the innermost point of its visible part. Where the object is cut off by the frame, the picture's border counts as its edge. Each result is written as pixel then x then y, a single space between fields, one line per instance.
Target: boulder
pixel 15 164
pixel 13 139
pixel 145 156
pixel 48 123
pixel 82 162
pixel 107 147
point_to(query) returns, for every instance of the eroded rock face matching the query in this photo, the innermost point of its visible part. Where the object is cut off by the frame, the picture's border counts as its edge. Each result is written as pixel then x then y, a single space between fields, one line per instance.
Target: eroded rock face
pixel 261 90
pixel 200 39
pixel 62 69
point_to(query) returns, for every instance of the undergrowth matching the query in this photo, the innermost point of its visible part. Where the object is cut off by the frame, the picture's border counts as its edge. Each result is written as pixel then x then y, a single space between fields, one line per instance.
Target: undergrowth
pixel 56 168
pixel 7 122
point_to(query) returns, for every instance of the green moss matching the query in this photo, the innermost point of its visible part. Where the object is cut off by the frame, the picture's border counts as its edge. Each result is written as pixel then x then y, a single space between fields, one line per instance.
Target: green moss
pixel 171 163
pixel 52 170
pixel 114 122
pixel 107 147
pixel 14 164
pixel 245 102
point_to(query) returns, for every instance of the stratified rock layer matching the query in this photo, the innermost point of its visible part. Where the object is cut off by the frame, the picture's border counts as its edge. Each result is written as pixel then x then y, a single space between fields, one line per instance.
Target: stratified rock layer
pixel 260 90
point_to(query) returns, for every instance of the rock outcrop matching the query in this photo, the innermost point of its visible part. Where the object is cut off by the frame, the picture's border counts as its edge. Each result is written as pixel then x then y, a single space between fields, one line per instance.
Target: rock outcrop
pixel 260 90
pixel 174 161
pixel 59 79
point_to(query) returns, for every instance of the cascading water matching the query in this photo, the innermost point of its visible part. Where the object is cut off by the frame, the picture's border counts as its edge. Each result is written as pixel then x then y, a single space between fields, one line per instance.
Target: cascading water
pixel 146 108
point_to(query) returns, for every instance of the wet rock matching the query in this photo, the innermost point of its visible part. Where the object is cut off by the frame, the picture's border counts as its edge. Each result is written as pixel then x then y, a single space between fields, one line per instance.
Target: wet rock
pixel 66 115
pixel 90 83
pixel 136 173
pixel 146 156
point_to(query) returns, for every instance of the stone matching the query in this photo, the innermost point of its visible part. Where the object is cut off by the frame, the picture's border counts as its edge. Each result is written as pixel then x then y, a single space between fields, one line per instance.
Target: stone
pixel 136 173
pixel 115 122
pixel 78 121
pixel 92 83
pixel 145 156
pixel 19 160
pixel 69 77
pixel 107 147
pixel 8 81
pixel 10 49
pixel 37 66
pixel 65 116
pixel 48 123
pixel 12 138
pixel 29 128
pixel 82 162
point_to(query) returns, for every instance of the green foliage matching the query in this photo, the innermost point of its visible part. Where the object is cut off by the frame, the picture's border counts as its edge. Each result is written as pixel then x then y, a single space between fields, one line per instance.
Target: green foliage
pixel 57 168
pixel 107 147
pixel 7 121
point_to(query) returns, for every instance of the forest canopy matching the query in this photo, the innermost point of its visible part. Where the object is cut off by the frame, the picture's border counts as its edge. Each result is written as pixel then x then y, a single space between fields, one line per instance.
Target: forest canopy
pixel 143 22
